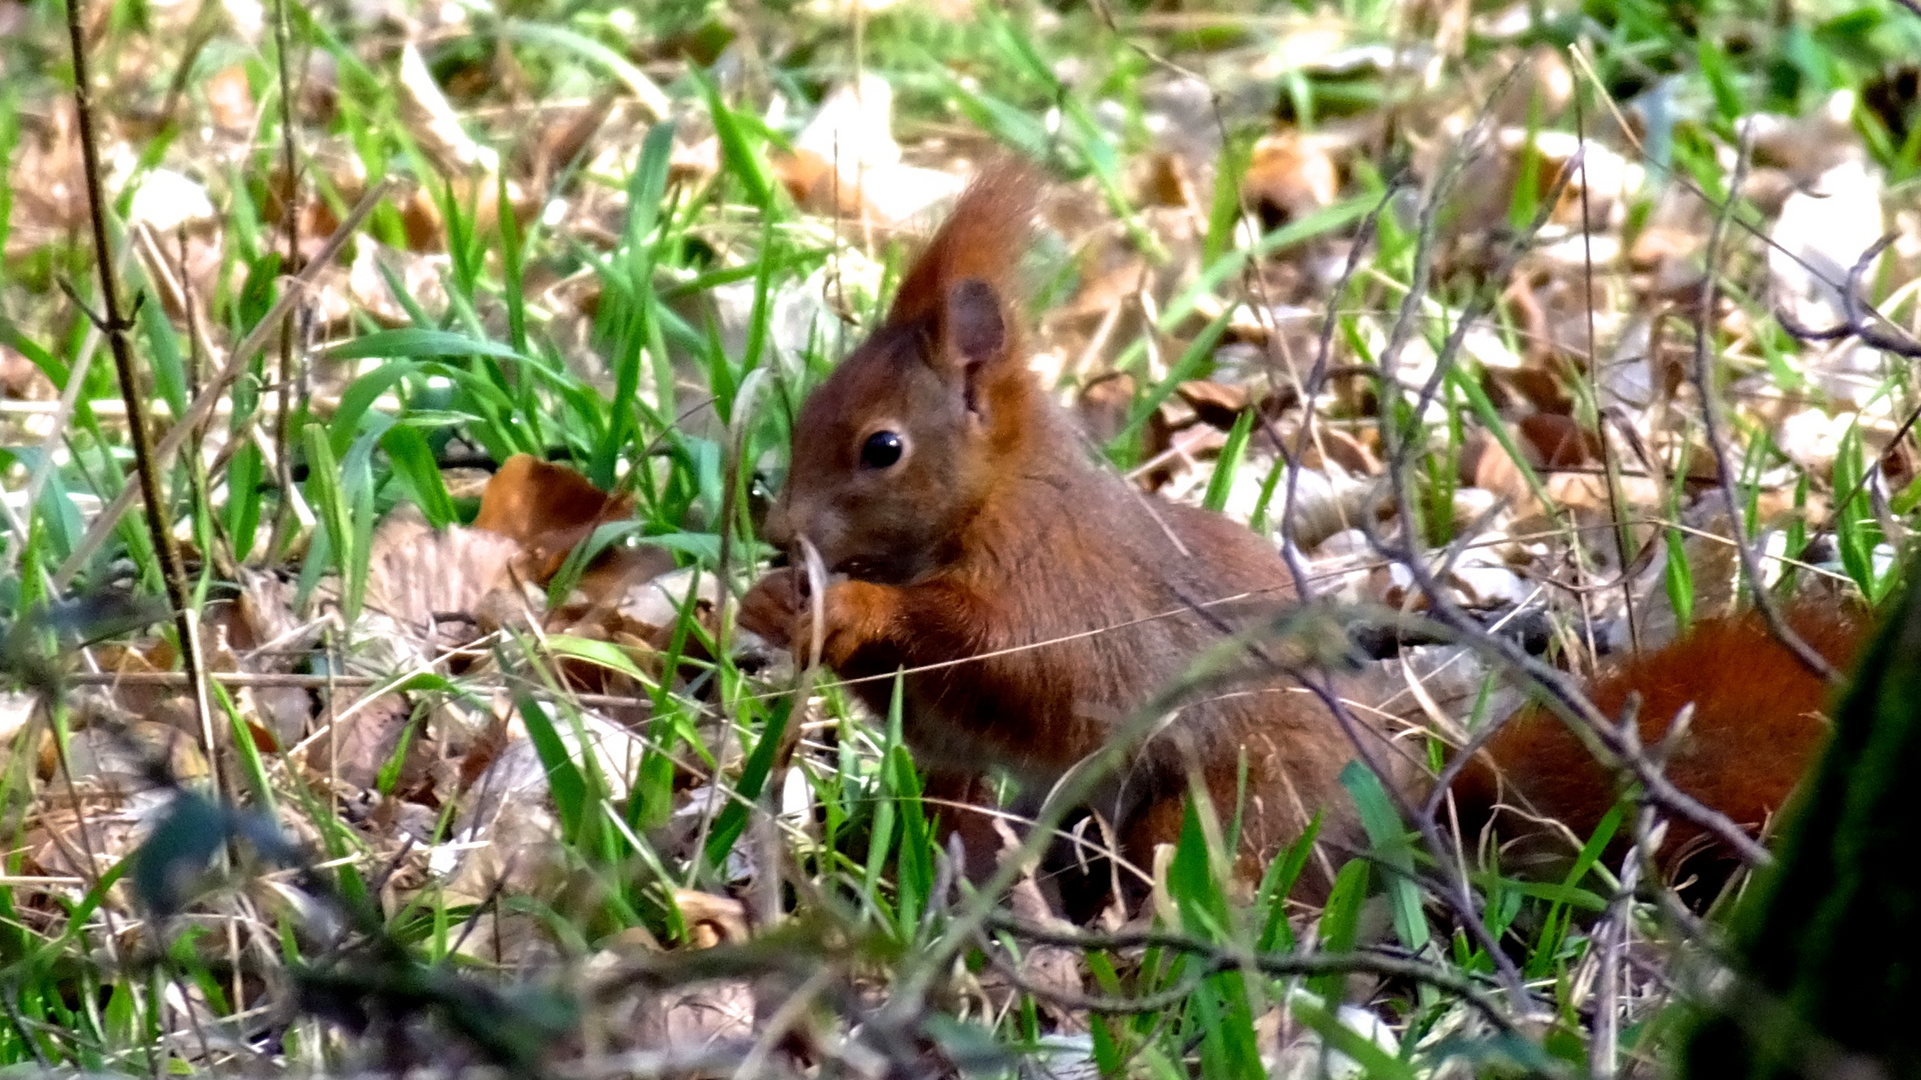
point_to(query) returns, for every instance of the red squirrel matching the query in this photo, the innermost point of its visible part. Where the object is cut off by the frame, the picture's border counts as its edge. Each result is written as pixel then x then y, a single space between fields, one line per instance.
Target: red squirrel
pixel 963 522
pixel 1035 600
pixel 1759 720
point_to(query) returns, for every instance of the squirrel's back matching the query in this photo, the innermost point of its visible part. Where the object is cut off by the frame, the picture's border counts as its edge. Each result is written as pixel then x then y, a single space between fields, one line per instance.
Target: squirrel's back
pixel 1759 719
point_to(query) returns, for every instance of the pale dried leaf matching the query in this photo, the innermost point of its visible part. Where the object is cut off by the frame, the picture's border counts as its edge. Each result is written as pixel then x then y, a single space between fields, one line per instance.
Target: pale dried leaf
pixel 1052 972
pixel 167 201
pixel 701 1016
pixel 1302 1055
pixel 714 920
pixel 420 275
pixel 16 709
pixel 1820 235
pixel 434 125
pixel 437 582
pixel 846 163
pixel 121 756
pixel 363 741
pixel 853 128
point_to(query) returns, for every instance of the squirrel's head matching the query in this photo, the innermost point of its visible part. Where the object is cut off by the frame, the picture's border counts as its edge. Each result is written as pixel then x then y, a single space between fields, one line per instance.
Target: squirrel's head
pixel 900 447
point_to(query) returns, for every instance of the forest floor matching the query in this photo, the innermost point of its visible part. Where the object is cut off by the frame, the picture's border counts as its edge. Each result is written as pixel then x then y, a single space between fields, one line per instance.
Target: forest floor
pixel 409 730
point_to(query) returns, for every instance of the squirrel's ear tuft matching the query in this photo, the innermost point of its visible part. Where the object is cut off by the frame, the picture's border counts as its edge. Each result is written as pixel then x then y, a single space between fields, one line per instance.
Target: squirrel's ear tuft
pixel 973 326
pixel 977 249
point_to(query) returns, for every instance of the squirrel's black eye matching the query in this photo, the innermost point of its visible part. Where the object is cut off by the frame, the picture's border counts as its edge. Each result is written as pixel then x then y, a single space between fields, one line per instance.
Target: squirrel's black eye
pixel 882 448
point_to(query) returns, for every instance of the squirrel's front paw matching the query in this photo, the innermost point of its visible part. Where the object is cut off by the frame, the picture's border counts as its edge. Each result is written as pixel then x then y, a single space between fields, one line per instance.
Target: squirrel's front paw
pixel 772 607
pixel 853 614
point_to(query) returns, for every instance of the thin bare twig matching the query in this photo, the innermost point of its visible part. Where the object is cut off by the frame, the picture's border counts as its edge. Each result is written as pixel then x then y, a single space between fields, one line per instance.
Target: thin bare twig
pixel 1218 957
pixel 117 328
pixel 1857 319
pixel 290 228
pixel 1703 379
pixel 1609 462
pixel 1454 888
pixel 1566 697
pixel 1610 937
pixel 1316 380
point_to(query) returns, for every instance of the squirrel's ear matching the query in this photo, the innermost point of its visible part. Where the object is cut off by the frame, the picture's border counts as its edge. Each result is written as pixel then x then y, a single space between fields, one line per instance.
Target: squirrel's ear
pixel 973 334
pixel 974 328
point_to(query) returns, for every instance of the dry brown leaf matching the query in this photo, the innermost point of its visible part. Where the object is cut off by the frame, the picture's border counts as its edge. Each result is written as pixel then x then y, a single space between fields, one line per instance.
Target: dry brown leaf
pixel 622 600
pixel 258 632
pixel 1485 464
pixel 144 700
pixel 281 714
pixel 263 616
pixel 230 101
pixel 488 743
pixel 1103 316
pixel 1289 176
pixel 1557 441
pixel 364 741
pixel 561 137
pixel 22 380
pixel 68 842
pixel 367 289
pixel 547 509
pixel 439 582
pixel 713 920
pixel 48 186
pixel 1587 493
pixel 118 755
pixel 520 776
pixel 1216 403
pixel 1659 245
pixel 454 585
pixel 1105 404
pixel 635 940
pixel 504 836
pixel 1052 970
pixel 471 169
pixel 611 595
pixel 1170 183
pixel 814 185
pixel 1342 448
pixel 700 1016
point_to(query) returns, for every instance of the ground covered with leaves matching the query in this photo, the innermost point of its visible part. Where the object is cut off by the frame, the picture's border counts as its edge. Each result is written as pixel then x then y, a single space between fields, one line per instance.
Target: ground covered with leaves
pixel 381 708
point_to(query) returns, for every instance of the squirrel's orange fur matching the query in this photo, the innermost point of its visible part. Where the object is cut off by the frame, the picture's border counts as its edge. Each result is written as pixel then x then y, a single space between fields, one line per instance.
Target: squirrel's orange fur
pixel 1759 720
pixel 996 540
pixel 1051 599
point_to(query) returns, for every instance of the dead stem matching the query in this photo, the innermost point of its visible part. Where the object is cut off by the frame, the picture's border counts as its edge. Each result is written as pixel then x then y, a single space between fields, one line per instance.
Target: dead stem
pixel 117 326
